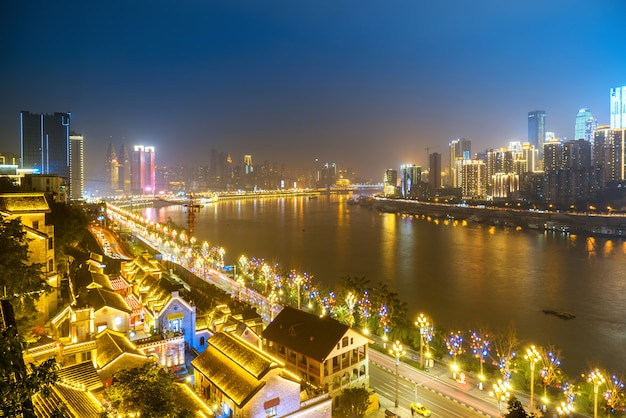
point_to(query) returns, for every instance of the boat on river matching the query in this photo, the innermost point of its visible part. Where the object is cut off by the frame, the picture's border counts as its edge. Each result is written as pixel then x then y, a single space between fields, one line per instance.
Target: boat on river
pixel 559 314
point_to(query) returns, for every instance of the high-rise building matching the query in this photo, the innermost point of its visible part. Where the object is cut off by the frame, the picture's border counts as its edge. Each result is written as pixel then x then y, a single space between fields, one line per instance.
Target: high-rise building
pixel 474 179
pixel 142 170
pixel 390 183
pixel 537 130
pixel 434 171
pixel 585 125
pixel 77 167
pixel 111 171
pixel 123 160
pixel 44 143
pixel 618 107
pixel 410 178
pixel 460 149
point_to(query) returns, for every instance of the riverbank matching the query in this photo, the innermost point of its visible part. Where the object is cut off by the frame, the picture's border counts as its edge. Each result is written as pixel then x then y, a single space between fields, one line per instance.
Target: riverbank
pixel 591 224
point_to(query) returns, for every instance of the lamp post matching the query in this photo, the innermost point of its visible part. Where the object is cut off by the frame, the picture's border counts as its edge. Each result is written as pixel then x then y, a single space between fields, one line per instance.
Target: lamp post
pixel 241 284
pixel 501 393
pixel 422 323
pixel 397 352
pixel 532 355
pixel 298 283
pixel 272 298
pixel 597 379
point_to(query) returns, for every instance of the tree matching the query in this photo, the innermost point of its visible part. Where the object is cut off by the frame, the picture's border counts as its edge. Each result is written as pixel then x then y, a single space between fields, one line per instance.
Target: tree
pixel 147 391
pixel 19 382
pixel 70 227
pixel 19 279
pixel 515 409
pixel 17 276
pixel 353 402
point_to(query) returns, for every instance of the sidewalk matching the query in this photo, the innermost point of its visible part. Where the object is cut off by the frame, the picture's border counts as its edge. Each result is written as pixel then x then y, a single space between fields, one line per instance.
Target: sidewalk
pixel 388 404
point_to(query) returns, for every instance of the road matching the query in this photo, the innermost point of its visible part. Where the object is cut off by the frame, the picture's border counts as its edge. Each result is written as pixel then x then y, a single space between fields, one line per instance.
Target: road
pixel 435 389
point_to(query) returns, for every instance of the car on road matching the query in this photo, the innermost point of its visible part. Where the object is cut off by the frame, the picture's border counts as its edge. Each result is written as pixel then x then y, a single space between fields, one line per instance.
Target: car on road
pixel 418 408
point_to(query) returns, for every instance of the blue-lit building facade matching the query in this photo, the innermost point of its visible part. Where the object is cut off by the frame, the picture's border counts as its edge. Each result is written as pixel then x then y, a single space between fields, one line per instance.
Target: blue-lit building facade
pixel 44 143
pixel 537 130
pixel 410 179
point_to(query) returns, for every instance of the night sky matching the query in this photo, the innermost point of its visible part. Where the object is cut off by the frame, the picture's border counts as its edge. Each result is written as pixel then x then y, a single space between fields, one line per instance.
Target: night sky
pixel 366 84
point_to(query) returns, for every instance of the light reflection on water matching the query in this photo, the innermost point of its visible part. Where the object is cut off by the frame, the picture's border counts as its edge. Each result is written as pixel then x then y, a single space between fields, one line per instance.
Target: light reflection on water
pixel 461 275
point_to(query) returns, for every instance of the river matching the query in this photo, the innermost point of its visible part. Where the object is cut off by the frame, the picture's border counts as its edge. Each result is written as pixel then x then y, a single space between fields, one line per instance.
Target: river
pixel 461 276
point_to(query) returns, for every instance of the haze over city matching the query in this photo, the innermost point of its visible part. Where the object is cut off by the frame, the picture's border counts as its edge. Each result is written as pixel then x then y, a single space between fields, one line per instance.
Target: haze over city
pixel 368 85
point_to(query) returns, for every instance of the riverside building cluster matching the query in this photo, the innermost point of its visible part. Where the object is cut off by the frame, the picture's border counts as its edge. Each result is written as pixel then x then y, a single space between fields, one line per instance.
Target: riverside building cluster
pixel 545 169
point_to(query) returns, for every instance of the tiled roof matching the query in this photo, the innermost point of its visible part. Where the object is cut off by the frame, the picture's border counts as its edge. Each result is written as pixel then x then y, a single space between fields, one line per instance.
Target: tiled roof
pixel 305 333
pixel 99 298
pixel 100 280
pixel 81 375
pixel 110 345
pixel 118 283
pixel 134 304
pixel 233 366
pixel 14 203
pixel 76 403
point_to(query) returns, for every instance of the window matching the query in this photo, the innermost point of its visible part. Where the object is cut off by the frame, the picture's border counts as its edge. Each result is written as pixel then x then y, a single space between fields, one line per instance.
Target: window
pixel 201 341
pixel 50 265
pixel 35 224
pixel 270 412
pixel 50 244
pixel 344 342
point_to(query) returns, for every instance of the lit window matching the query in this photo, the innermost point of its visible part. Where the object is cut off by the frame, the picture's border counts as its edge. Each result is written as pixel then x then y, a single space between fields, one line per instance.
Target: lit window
pixel 270 412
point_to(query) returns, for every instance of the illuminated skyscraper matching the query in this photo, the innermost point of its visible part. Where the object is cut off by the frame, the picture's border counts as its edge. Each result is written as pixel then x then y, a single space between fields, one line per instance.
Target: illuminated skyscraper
pixel 410 177
pixel 111 171
pixel 434 171
pixel 460 149
pixel 44 143
pixel 77 168
pixel 537 130
pixel 585 125
pixel 142 170
pixel 618 107
pixel 123 160
pixel 390 182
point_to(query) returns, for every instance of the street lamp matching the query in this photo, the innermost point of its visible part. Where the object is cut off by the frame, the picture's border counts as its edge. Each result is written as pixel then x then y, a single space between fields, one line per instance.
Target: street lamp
pixel 501 393
pixel 532 355
pixel 298 282
pixel 241 284
pixel 597 379
pixel 272 298
pixel 422 323
pixel 397 352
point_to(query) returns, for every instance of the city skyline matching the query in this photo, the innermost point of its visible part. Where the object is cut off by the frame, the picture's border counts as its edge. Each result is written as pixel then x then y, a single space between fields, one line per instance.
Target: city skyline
pixel 367 86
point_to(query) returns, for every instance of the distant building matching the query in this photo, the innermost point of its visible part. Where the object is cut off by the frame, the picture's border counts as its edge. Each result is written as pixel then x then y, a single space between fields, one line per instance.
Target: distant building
pixel 537 130
pixel 142 170
pixel 410 178
pixel 77 167
pixel 460 149
pixel 618 107
pixel 44 143
pixel 474 179
pixel 434 172
pixel 390 183
pixel 124 171
pixel 111 171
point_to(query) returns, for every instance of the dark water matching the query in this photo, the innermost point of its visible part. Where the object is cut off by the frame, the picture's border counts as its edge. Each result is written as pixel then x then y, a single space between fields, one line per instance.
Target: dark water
pixel 461 276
